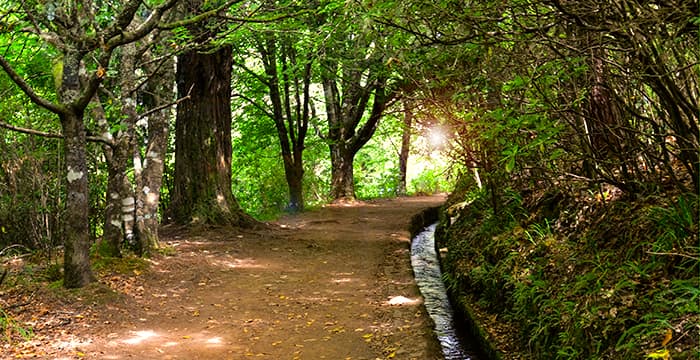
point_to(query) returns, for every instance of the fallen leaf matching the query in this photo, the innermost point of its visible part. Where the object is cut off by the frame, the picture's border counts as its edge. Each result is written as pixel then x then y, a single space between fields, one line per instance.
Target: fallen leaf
pixel 667 337
pixel 660 354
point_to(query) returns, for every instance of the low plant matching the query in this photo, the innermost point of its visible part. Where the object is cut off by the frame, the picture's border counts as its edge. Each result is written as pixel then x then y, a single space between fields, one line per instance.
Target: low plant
pixel 11 328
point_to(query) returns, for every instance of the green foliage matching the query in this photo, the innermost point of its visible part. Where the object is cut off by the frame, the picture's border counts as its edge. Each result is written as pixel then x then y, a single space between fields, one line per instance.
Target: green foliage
pixel 577 292
pixel 376 169
pixel 428 182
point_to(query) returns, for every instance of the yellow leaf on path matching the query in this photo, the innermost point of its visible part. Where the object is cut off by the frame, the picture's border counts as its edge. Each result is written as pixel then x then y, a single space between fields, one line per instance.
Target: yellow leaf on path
pixel 80 354
pixel 186 337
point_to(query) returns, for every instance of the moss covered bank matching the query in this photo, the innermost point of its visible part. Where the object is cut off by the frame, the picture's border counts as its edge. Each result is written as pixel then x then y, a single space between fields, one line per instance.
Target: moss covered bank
pixel 553 275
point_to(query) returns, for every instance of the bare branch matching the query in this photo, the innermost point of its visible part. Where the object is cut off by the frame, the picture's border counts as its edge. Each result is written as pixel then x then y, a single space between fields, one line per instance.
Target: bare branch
pixel 50 135
pixel 197 18
pixel 255 104
pixel 30 131
pixel 27 89
pixel 687 256
pixel 165 106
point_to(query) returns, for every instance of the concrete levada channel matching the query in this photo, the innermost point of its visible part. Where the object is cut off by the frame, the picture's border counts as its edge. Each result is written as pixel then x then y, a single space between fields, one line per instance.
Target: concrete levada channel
pixel 426 268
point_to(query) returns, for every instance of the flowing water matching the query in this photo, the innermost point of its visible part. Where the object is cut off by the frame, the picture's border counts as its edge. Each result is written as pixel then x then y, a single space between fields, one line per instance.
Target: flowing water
pixel 426 268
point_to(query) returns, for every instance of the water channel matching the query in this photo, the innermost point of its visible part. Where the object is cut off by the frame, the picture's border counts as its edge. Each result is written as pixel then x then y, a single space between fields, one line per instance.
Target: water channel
pixel 426 268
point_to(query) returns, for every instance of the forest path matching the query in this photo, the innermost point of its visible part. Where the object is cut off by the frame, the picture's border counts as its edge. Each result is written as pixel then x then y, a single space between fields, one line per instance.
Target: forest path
pixel 335 283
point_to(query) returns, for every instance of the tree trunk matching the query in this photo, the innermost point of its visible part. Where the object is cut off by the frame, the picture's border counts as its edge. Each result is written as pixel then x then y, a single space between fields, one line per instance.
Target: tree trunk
pixel 149 184
pixel 405 146
pixel 113 234
pixel 112 229
pixel 76 238
pixel 76 242
pixel 342 181
pixel 345 112
pixel 202 192
pixel 294 173
pixel 291 107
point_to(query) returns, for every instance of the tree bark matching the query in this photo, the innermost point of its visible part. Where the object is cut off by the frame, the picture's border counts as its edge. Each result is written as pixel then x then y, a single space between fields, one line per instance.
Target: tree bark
pixel 76 256
pixel 159 93
pixel 294 173
pixel 342 174
pixel 202 192
pixel 77 271
pixel 114 231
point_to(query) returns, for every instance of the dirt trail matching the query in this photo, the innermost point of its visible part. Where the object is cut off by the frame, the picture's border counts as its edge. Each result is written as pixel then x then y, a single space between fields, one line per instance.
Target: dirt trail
pixel 335 283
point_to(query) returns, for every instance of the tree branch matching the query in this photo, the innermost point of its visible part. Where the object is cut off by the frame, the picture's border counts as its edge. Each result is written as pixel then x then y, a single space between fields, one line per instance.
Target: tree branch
pixel 27 89
pixel 50 135
pixel 165 106
pixel 197 18
pixel 256 105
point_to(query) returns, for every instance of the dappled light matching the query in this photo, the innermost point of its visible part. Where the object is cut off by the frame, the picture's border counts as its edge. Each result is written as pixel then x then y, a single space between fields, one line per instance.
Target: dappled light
pixel 140 336
pixel 170 338
pixel 239 264
pixel 402 300
pixel 339 287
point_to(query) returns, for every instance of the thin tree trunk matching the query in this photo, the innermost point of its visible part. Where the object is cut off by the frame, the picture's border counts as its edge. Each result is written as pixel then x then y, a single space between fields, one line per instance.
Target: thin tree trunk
pixel 294 174
pixel 148 190
pixel 291 122
pixel 112 229
pixel 405 146
pixel 113 233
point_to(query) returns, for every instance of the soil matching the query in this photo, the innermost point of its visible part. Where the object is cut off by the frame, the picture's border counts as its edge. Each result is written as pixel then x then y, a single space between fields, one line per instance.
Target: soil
pixel 334 283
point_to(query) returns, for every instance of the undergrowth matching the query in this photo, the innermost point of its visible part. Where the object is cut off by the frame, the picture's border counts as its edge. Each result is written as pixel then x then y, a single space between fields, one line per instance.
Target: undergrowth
pixel 593 279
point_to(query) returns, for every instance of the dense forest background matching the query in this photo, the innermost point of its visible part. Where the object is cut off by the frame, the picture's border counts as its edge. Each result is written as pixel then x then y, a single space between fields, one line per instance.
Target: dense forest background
pixel 566 131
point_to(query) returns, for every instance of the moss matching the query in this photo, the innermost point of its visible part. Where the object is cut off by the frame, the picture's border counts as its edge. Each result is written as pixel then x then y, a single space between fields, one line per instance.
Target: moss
pixel 124 265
